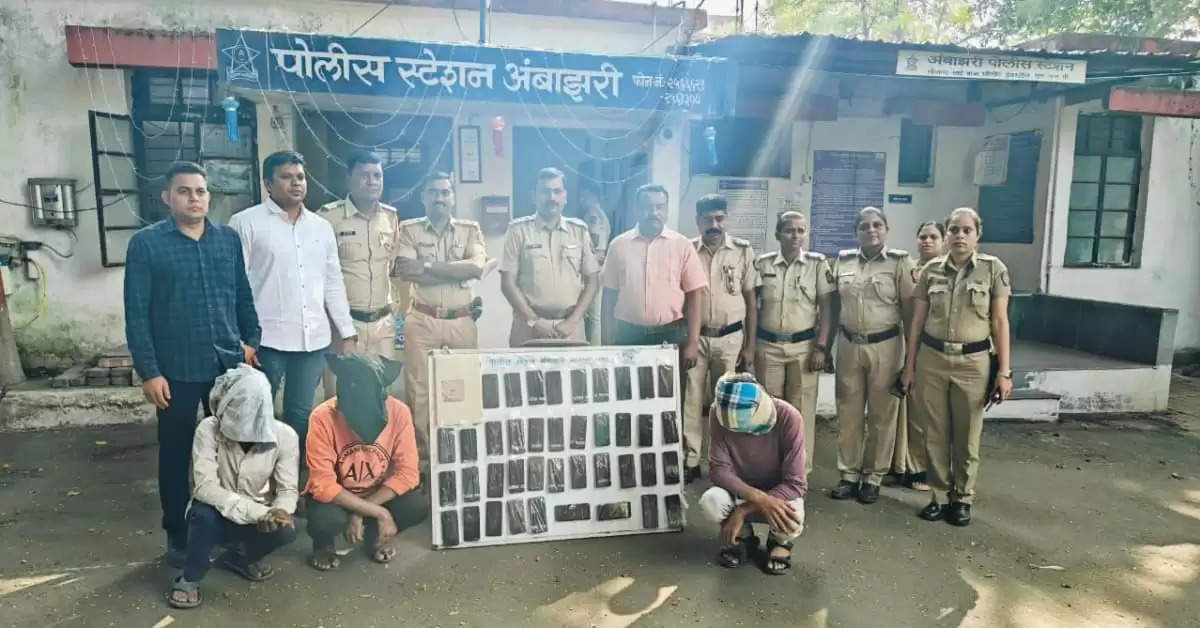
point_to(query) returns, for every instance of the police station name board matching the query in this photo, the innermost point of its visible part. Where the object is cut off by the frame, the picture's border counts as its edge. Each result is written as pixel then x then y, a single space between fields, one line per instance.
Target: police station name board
pixel 968 65
pixel 323 64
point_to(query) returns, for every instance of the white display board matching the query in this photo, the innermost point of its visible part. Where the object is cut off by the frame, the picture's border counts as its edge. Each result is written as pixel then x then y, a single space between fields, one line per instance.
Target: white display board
pixel 547 444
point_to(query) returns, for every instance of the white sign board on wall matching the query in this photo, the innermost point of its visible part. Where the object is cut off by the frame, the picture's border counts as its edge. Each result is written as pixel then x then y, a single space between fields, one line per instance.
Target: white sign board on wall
pixel 970 65
pixel 562 443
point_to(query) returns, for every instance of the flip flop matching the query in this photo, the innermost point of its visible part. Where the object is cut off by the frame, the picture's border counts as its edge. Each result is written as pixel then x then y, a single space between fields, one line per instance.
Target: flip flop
pixel 328 557
pixel 382 554
pixel 735 555
pixel 254 572
pixel 179 585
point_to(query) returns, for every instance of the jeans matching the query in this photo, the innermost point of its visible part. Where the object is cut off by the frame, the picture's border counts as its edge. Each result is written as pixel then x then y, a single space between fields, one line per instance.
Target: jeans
pixel 207 528
pixel 326 521
pixel 302 370
pixel 176 428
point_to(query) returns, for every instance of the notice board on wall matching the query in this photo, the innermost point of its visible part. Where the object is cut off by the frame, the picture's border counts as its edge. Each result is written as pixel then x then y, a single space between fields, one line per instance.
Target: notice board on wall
pixel 1007 210
pixel 563 443
pixel 844 182
pixel 748 203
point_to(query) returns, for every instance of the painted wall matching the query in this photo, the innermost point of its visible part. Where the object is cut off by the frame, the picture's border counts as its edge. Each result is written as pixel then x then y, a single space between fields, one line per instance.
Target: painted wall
pixel 1165 275
pixel 43 122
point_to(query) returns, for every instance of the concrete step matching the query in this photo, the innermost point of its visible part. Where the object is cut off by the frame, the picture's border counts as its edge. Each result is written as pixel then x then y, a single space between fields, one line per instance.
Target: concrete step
pixel 36 406
pixel 1032 405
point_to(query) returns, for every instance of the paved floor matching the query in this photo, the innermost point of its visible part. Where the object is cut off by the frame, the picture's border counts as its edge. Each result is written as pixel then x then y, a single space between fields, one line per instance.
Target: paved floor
pixel 1078 524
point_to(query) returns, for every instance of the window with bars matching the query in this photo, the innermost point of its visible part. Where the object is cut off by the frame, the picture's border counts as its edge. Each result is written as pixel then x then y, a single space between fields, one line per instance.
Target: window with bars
pixel 1104 191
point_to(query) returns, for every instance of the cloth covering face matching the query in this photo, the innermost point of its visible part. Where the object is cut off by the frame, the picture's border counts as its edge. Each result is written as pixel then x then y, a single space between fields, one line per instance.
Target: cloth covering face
pixel 242 403
pixel 742 405
pixel 362 382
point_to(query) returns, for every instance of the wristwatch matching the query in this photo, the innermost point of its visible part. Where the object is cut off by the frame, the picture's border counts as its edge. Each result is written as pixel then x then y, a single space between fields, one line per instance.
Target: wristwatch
pixel 1004 374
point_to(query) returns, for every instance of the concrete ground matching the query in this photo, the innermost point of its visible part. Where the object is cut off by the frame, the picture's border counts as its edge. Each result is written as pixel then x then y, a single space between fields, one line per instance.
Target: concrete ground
pixel 1084 523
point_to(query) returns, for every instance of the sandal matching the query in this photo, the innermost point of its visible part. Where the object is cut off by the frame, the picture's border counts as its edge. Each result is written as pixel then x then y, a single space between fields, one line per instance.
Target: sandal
pixel 325 559
pixel 382 554
pixel 735 555
pixel 191 594
pixel 254 572
pixel 777 565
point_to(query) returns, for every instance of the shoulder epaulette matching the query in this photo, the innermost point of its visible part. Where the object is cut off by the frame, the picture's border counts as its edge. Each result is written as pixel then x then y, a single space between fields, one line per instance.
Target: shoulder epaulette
pixel 987 258
pixel 765 256
pixel 814 255
pixel 330 206
pixel 848 253
pixel 464 222
pixel 574 221
pixel 742 242
pixel 521 220
pixel 388 207
pixel 412 221
pixel 897 253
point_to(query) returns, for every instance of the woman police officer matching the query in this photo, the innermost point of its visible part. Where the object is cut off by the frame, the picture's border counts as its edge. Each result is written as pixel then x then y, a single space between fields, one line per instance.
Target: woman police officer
pixel 960 312
pixel 874 286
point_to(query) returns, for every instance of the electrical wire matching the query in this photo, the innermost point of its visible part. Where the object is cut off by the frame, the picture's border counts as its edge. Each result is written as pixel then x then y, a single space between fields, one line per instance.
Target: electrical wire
pixel 372 18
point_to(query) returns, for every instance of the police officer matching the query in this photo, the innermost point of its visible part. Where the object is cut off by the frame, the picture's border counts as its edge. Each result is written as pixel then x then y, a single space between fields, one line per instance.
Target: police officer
pixel 793 300
pixel 548 272
pixel 601 231
pixel 366 231
pixel 438 255
pixel 728 310
pixel 874 286
pixel 959 314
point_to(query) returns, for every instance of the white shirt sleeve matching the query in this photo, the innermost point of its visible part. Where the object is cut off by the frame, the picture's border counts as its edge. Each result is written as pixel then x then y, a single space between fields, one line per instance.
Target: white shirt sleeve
pixel 336 303
pixel 233 506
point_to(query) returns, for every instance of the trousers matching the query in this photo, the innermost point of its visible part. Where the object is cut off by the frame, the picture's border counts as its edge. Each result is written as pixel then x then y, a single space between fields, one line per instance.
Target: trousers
pixel 782 368
pixel 326 521
pixel 298 372
pixel 176 428
pixel 717 356
pixel 866 407
pixel 950 395
pixel 422 334
pixel 207 528
pixel 716 503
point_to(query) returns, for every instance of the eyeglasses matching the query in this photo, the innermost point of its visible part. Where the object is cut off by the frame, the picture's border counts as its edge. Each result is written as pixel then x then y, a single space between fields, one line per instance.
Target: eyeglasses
pixel 866 226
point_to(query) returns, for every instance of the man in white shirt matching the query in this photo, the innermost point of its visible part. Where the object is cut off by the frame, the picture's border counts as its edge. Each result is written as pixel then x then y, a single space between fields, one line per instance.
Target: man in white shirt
pixel 292 262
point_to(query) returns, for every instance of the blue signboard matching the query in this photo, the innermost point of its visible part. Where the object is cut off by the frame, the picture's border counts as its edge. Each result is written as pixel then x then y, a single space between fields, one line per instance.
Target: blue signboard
pixel 321 64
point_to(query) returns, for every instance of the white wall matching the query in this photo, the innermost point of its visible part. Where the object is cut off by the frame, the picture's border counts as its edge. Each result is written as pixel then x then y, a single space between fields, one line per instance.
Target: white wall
pixel 43 116
pixel 1166 275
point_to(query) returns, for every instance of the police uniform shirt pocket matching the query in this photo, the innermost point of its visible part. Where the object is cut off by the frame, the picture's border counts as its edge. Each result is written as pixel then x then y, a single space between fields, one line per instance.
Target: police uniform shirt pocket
pixel 572 254
pixel 427 251
pixel 939 301
pixel 981 301
pixel 885 287
pixel 732 279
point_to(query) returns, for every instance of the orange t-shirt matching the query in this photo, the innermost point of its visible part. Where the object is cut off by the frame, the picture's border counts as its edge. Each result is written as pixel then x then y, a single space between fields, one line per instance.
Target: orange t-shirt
pixel 338 458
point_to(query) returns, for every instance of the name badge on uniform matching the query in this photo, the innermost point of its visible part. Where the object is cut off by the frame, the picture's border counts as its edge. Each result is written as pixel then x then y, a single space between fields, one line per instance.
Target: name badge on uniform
pixel 769 275
pixel 571 246
pixel 534 246
pixel 347 233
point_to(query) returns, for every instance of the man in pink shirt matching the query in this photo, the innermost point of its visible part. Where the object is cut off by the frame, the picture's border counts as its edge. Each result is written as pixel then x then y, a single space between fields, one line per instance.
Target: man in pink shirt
pixel 653 278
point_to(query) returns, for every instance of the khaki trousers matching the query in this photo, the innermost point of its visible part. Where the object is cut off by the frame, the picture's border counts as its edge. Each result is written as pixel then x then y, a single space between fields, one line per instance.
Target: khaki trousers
pixel 950 397
pixel 866 407
pixel 375 338
pixel 782 368
pixel 717 357
pixel 422 334
pixel 520 333
pixel 909 455
pixel 591 321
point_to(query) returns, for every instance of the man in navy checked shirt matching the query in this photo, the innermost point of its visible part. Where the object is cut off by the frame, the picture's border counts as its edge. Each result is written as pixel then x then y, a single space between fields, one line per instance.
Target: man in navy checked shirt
pixel 189 316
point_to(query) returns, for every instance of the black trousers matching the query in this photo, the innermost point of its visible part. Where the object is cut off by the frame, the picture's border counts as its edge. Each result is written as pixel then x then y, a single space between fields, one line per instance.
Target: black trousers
pixel 207 528
pixel 326 521
pixel 176 428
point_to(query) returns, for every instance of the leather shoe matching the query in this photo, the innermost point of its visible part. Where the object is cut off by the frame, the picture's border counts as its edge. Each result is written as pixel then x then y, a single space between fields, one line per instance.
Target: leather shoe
pixel 958 514
pixel 844 490
pixel 868 493
pixel 933 512
pixel 691 474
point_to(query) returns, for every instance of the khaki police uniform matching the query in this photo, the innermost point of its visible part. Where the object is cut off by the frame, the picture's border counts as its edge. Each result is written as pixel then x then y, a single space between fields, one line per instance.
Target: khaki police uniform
pixel 952 367
pixel 601 231
pixel 367 248
pixel 730 271
pixel 439 314
pixel 787 328
pixel 552 264
pixel 870 356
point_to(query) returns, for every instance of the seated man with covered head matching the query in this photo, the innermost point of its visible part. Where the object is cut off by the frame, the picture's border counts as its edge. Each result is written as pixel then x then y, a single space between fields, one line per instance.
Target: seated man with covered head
pixel 362 461
pixel 245 467
pixel 756 463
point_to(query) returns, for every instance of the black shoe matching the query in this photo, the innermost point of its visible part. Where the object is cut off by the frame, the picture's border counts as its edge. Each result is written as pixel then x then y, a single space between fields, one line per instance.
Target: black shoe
pixel 844 490
pixel 691 474
pixel 958 514
pixel 892 479
pixel 933 512
pixel 868 493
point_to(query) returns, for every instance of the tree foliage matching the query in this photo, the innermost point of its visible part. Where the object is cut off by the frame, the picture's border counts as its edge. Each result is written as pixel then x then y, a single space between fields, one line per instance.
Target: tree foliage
pixel 983 21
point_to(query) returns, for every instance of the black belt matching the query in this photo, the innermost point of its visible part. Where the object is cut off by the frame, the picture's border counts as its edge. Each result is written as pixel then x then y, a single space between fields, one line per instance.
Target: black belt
pixel 799 336
pixel 956 348
pixel 370 317
pixel 718 332
pixel 870 339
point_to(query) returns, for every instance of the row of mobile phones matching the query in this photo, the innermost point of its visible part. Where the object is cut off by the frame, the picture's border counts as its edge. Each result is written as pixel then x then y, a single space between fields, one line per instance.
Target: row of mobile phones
pixel 529 516
pixel 537 434
pixel 546 387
